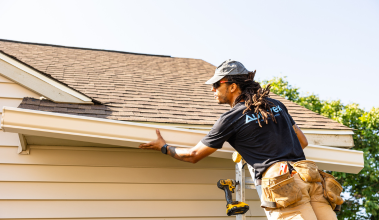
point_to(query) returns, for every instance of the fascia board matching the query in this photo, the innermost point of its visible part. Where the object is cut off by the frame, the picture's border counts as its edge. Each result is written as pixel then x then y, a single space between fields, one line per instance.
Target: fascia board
pixel 129 134
pixel 327 131
pixel 39 83
pixel 335 159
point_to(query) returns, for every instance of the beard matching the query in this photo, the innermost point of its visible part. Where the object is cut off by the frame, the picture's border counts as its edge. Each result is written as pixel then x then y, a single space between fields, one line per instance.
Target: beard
pixel 223 99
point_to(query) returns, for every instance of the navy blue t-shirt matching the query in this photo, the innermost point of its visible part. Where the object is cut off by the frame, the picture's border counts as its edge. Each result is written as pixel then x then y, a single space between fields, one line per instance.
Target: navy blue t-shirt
pixel 259 146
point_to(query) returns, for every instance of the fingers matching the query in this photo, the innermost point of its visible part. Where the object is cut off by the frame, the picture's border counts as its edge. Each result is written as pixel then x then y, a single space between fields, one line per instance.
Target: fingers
pixel 154 145
pixel 145 146
pixel 158 134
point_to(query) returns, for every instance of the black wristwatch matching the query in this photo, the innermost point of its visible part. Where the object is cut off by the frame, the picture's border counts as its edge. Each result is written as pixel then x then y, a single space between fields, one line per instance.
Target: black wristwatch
pixel 164 149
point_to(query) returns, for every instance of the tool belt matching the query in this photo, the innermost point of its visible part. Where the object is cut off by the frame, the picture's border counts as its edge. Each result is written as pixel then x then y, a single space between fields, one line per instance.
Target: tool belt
pixel 279 189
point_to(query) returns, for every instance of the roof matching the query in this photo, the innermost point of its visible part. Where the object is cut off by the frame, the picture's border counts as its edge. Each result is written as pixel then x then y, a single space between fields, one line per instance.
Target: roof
pixel 137 87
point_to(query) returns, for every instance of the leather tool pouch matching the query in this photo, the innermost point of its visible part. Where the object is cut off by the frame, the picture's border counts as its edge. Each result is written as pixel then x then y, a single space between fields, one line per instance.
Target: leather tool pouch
pixel 280 191
pixel 332 191
pixel 307 171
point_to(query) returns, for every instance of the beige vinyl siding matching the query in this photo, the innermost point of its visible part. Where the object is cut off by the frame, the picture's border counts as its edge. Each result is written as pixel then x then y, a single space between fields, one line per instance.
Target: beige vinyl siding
pixel 61 182
pixel 11 94
pixel 12 90
pixel 12 102
pixel 4 80
pixel 8 139
pixel 103 183
pixel 174 218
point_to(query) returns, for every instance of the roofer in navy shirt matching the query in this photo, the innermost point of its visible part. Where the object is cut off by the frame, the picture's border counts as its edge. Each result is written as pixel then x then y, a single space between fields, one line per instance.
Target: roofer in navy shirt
pixel 262 131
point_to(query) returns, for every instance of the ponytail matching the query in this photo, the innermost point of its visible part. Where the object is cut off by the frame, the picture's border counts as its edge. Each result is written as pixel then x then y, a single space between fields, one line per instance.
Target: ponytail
pixel 254 96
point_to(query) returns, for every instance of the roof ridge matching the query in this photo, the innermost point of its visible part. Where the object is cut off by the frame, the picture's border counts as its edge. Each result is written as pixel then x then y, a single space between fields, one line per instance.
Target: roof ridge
pixel 83 48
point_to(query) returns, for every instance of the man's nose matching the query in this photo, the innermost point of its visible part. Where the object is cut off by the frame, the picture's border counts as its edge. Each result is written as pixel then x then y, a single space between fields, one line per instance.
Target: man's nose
pixel 213 89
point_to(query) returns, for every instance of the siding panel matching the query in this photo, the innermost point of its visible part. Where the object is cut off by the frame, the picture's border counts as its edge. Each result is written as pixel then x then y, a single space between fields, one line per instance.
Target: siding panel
pixel 9 102
pixel 170 218
pixel 110 174
pixel 116 157
pixel 110 191
pixel 8 139
pixel 102 183
pixel 116 209
pixel 12 90
pixel 4 80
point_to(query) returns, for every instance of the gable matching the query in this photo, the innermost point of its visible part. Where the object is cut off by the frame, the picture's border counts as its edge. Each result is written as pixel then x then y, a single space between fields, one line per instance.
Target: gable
pixel 36 82
pixel 11 94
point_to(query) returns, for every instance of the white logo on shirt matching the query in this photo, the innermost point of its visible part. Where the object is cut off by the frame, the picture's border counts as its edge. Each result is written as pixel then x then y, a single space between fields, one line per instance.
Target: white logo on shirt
pixel 253 117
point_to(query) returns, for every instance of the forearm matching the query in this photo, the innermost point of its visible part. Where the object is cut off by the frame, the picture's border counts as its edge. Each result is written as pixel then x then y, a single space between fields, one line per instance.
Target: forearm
pixel 183 154
pixel 300 135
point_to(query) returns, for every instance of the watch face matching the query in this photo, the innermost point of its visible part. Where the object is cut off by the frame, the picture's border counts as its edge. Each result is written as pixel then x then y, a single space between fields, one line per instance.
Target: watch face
pixel 164 149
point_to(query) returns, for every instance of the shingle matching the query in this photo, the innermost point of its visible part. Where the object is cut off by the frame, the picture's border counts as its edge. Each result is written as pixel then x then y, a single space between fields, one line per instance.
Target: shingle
pixel 26 106
pixel 47 103
pixel 95 111
pixel 75 110
pixel 32 101
pixel 136 87
pixel 46 108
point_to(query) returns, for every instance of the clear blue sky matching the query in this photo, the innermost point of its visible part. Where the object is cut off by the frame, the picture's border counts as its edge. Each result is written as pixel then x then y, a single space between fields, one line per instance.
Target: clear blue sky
pixel 329 48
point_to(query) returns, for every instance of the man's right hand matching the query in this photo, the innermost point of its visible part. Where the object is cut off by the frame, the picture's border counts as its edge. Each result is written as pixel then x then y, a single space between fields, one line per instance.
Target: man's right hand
pixel 156 144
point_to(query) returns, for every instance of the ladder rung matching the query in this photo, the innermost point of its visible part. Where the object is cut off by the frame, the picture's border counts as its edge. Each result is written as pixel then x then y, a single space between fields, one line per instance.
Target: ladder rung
pixel 249 181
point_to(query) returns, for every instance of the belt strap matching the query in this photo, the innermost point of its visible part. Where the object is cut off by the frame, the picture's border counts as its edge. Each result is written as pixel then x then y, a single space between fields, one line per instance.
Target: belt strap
pixel 258 182
pixel 268 204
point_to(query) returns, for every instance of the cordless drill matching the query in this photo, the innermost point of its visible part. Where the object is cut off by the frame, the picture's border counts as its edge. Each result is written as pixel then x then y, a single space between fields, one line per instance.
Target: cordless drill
pixel 232 207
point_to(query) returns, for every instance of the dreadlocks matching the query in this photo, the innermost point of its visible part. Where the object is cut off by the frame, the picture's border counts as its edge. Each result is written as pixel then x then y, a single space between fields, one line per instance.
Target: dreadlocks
pixel 254 96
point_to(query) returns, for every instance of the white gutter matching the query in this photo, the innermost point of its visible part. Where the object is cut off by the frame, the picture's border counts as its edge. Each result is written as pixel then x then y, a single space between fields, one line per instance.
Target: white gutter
pixel 129 134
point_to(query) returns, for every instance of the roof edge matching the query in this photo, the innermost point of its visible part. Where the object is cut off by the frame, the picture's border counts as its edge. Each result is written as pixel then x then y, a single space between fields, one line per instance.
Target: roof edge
pixel 83 48
pixel 127 134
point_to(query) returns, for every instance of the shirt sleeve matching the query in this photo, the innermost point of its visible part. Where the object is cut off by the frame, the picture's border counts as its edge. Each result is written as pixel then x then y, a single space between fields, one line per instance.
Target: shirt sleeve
pixel 289 116
pixel 221 131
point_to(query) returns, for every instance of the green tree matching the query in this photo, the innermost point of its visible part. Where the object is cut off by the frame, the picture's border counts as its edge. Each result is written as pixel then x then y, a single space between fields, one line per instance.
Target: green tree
pixel 362 189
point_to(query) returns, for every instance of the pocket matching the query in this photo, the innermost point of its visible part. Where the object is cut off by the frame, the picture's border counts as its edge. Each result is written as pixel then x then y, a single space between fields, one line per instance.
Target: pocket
pixel 307 170
pixel 332 190
pixel 286 193
pixel 268 200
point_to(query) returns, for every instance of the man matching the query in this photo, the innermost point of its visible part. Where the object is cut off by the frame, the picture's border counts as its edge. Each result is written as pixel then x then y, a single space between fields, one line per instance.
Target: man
pixel 262 131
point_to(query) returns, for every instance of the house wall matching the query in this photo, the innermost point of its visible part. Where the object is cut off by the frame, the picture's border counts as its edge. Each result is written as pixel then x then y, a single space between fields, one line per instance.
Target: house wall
pixel 103 183
pixel 11 94
pixel 92 182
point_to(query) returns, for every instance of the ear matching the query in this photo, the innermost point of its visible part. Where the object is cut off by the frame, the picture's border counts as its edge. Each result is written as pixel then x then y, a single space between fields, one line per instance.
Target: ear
pixel 233 87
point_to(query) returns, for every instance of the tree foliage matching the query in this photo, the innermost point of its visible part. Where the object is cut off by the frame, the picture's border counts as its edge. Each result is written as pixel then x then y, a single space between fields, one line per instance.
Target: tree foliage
pixel 361 191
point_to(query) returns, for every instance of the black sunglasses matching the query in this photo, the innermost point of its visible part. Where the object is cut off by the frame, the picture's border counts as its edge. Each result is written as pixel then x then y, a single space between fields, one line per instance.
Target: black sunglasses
pixel 218 83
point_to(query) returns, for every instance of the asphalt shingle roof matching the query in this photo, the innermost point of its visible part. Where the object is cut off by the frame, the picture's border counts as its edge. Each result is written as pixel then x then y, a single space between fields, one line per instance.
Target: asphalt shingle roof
pixel 136 87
